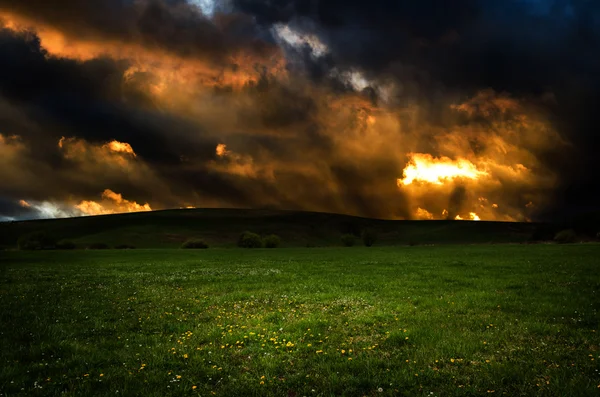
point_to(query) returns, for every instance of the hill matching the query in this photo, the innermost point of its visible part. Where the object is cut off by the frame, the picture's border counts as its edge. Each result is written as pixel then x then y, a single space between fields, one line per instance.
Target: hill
pixel 221 227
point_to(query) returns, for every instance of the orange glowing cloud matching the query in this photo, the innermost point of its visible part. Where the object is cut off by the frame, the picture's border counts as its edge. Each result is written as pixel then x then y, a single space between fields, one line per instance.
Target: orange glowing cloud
pixel 221 150
pixel 120 147
pixel 423 214
pixel 9 145
pixel 423 167
pixel 112 203
pixel 114 153
pixel 241 164
pixel 168 75
pixel 111 163
pixel 472 216
pixel 487 103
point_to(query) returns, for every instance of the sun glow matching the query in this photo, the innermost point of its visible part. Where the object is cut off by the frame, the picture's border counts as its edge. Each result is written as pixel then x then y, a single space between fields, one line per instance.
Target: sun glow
pixel 472 217
pixel 423 167
pixel 120 147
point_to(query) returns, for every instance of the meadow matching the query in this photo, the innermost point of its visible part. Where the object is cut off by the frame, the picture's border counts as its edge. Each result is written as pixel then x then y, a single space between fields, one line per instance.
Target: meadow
pixel 459 320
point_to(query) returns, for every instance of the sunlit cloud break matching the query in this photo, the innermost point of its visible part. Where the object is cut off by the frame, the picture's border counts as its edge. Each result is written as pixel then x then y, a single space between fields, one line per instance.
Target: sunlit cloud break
pixel 111 203
pixel 423 167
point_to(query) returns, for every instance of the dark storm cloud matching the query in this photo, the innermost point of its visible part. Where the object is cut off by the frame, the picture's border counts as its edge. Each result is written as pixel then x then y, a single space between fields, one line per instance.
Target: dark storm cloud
pixel 84 99
pixel 12 208
pixel 43 98
pixel 291 143
pixel 361 183
pixel 532 49
pixel 505 45
pixel 171 25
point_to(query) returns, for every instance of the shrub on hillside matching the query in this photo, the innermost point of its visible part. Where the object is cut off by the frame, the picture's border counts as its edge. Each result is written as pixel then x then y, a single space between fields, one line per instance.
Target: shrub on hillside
pixel 369 236
pixel 98 246
pixel 543 232
pixel 125 247
pixel 350 227
pixel 566 236
pixel 272 241
pixel 194 243
pixel 250 240
pixel 65 245
pixel 36 241
pixel 348 240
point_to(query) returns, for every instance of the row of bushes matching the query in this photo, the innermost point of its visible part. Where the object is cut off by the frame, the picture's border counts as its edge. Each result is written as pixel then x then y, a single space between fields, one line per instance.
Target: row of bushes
pixel 368 236
pixel 253 240
pixel 246 240
pixel 42 241
pixel 566 236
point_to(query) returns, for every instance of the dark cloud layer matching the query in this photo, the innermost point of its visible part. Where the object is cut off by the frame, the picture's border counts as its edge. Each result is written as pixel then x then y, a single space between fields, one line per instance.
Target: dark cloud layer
pixel 544 50
pixel 60 97
pixel 169 25
pixel 289 142
pixel 85 99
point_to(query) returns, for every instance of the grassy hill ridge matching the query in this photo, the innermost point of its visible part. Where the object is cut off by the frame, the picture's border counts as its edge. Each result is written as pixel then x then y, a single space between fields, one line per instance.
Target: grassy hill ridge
pixel 221 228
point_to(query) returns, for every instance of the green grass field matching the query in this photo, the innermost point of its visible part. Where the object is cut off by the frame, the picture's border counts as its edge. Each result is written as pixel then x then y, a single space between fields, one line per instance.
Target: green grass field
pixel 432 321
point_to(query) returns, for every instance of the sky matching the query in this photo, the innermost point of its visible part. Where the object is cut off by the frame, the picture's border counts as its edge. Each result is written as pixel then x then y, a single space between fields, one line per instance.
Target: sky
pixel 437 109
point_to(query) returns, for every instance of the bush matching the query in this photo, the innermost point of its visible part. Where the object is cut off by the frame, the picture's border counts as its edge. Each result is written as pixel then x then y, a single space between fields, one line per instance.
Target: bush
pixel 348 240
pixel 272 241
pixel 566 236
pixel 98 246
pixel 544 232
pixel 125 247
pixel 36 241
pixel 194 243
pixel 65 245
pixel 369 237
pixel 250 240
pixel 598 235
pixel 350 227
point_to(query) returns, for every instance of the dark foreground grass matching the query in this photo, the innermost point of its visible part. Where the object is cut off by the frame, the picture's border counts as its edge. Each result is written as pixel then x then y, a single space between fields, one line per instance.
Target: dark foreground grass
pixel 463 320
